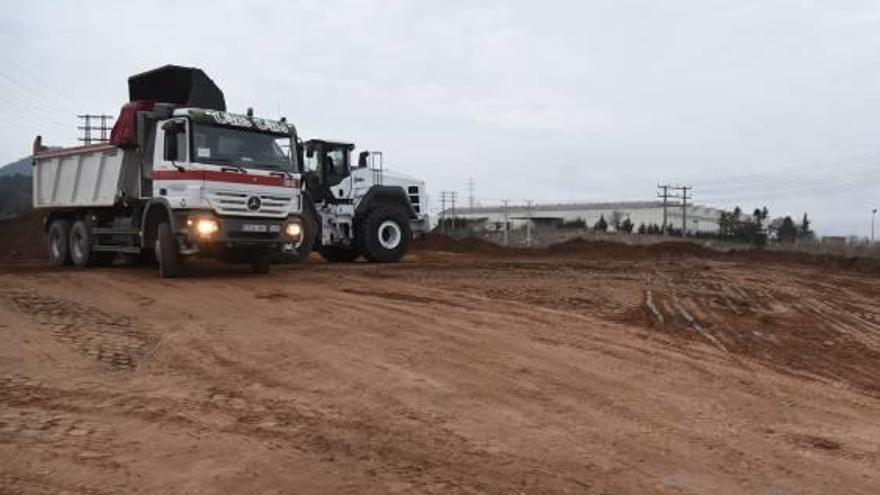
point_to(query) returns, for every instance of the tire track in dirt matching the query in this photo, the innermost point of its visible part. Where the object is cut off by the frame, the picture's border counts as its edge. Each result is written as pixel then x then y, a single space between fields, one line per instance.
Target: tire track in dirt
pixel 113 340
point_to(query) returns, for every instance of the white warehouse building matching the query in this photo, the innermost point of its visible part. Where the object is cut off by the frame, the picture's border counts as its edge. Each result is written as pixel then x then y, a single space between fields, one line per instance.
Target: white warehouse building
pixel 697 218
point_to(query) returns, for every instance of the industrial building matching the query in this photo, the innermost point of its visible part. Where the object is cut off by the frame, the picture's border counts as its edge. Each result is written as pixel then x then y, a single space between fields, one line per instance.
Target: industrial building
pixel 696 218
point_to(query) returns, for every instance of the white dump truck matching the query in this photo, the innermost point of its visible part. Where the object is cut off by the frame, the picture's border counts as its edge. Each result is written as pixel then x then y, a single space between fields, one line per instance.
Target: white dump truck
pixel 181 177
pixel 361 209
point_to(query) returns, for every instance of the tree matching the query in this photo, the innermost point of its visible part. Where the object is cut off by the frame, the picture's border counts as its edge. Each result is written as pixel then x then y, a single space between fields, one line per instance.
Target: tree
pixel 627 226
pixel 787 231
pixel 601 225
pixel 642 229
pixel 804 231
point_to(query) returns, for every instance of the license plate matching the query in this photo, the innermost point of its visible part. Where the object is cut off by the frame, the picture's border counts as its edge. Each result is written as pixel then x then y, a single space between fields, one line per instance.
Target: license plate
pixel 254 227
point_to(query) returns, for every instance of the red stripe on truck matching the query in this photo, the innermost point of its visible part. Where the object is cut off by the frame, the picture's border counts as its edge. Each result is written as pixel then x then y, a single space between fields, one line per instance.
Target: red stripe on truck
pixel 209 175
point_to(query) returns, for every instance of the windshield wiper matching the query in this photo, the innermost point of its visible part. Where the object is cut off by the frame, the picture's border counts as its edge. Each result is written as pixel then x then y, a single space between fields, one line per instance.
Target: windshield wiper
pixel 235 168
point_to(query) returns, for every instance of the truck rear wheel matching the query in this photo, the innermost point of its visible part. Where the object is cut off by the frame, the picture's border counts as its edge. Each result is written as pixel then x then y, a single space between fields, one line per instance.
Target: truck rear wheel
pixel 384 234
pixel 166 251
pixel 338 254
pixel 58 242
pixel 81 247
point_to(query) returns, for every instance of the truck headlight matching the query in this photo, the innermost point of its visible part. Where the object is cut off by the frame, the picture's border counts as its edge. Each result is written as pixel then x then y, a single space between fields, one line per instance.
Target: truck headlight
pixel 293 229
pixel 206 227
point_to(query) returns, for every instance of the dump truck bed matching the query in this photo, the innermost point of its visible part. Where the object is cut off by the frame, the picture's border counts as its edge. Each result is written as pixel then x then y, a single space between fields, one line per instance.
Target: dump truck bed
pixel 85 176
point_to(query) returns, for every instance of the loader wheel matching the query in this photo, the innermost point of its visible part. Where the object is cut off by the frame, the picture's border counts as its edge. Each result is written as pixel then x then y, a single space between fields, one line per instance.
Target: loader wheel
pixel 338 254
pixel 384 234
pixel 81 252
pixel 166 251
pixel 58 242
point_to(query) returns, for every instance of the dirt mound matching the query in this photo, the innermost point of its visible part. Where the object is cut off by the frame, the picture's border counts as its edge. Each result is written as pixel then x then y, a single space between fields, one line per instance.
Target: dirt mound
pixel 619 249
pixel 441 242
pixel 435 242
pixel 21 239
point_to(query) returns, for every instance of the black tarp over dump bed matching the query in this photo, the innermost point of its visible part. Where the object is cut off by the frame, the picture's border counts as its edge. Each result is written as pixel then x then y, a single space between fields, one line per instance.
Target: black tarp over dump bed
pixel 184 86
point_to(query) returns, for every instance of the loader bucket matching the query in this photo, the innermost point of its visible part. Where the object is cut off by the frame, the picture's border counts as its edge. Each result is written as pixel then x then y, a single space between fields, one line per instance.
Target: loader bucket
pixel 183 86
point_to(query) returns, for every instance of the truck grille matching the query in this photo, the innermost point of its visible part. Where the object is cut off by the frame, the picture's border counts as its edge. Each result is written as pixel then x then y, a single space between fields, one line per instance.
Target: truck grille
pixel 236 203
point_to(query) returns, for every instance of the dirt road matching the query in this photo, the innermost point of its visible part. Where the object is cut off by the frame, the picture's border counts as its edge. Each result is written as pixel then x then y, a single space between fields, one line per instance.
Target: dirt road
pixel 448 373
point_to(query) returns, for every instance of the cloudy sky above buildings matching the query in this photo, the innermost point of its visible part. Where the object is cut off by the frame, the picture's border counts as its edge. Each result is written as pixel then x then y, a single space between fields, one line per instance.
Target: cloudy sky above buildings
pixel 752 102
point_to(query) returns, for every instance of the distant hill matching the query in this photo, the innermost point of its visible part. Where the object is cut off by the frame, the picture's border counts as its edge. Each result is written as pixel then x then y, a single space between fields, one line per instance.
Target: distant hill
pixel 18 167
pixel 15 188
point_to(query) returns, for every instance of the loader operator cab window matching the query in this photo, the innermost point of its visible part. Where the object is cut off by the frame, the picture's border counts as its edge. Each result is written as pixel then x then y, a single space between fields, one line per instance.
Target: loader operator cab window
pixel 336 164
pixel 326 165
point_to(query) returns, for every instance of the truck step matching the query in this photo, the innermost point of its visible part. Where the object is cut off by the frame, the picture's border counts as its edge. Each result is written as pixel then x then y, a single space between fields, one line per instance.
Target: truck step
pixel 117 249
pixel 112 231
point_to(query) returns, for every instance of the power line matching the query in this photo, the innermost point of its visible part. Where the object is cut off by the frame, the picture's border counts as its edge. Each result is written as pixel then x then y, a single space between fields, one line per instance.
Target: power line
pixel 48 90
pixel 23 92
pixel 27 106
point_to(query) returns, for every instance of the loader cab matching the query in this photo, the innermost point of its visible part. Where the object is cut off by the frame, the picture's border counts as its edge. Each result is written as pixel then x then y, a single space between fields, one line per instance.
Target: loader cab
pixel 326 164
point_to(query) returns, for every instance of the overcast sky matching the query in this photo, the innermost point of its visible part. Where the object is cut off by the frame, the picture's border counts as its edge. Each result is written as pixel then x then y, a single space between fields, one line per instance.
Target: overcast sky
pixel 753 103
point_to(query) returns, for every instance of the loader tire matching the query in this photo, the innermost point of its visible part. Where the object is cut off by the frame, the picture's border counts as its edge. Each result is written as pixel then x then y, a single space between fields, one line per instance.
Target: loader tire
pixel 58 242
pixel 166 252
pixel 384 235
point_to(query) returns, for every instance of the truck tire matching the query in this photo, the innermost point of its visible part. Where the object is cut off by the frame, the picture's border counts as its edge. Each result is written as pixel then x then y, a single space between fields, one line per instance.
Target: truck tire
pixel 338 254
pixel 261 261
pixel 311 221
pixel 384 234
pixel 303 249
pixel 58 242
pixel 166 251
pixel 81 242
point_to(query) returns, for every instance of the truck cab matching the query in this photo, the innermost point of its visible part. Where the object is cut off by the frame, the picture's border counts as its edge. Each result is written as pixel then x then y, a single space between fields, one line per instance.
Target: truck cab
pixel 231 180
pixel 361 208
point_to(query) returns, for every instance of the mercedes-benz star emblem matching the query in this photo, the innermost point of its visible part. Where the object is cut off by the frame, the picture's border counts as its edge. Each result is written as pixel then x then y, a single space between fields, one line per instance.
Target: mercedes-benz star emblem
pixel 254 203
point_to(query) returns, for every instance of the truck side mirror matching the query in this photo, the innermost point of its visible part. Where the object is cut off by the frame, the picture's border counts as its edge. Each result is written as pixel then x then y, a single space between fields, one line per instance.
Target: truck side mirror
pixel 362 159
pixel 171 151
pixel 173 145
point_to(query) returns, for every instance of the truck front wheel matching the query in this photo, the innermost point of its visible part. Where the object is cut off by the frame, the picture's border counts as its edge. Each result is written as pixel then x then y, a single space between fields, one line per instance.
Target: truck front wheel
pixel 58 241
pixel 166 251
pixel 385 234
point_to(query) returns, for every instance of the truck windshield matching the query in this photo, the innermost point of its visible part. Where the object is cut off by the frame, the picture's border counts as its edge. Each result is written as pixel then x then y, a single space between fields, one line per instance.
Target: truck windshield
pixel 241 148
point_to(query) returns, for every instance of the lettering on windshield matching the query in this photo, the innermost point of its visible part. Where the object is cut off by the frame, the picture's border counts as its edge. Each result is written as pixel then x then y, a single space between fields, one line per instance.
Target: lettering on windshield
pixel 236 120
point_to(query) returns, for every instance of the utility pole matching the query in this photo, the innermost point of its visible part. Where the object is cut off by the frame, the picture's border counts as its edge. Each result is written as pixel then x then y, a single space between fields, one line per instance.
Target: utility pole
pixel 452 195
pixel 665 196
pixel 443 211
pixel 507 224
pixel 529 223
pixel 873 214
pixel 470 184
pixel 87 128
pixel 684 200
